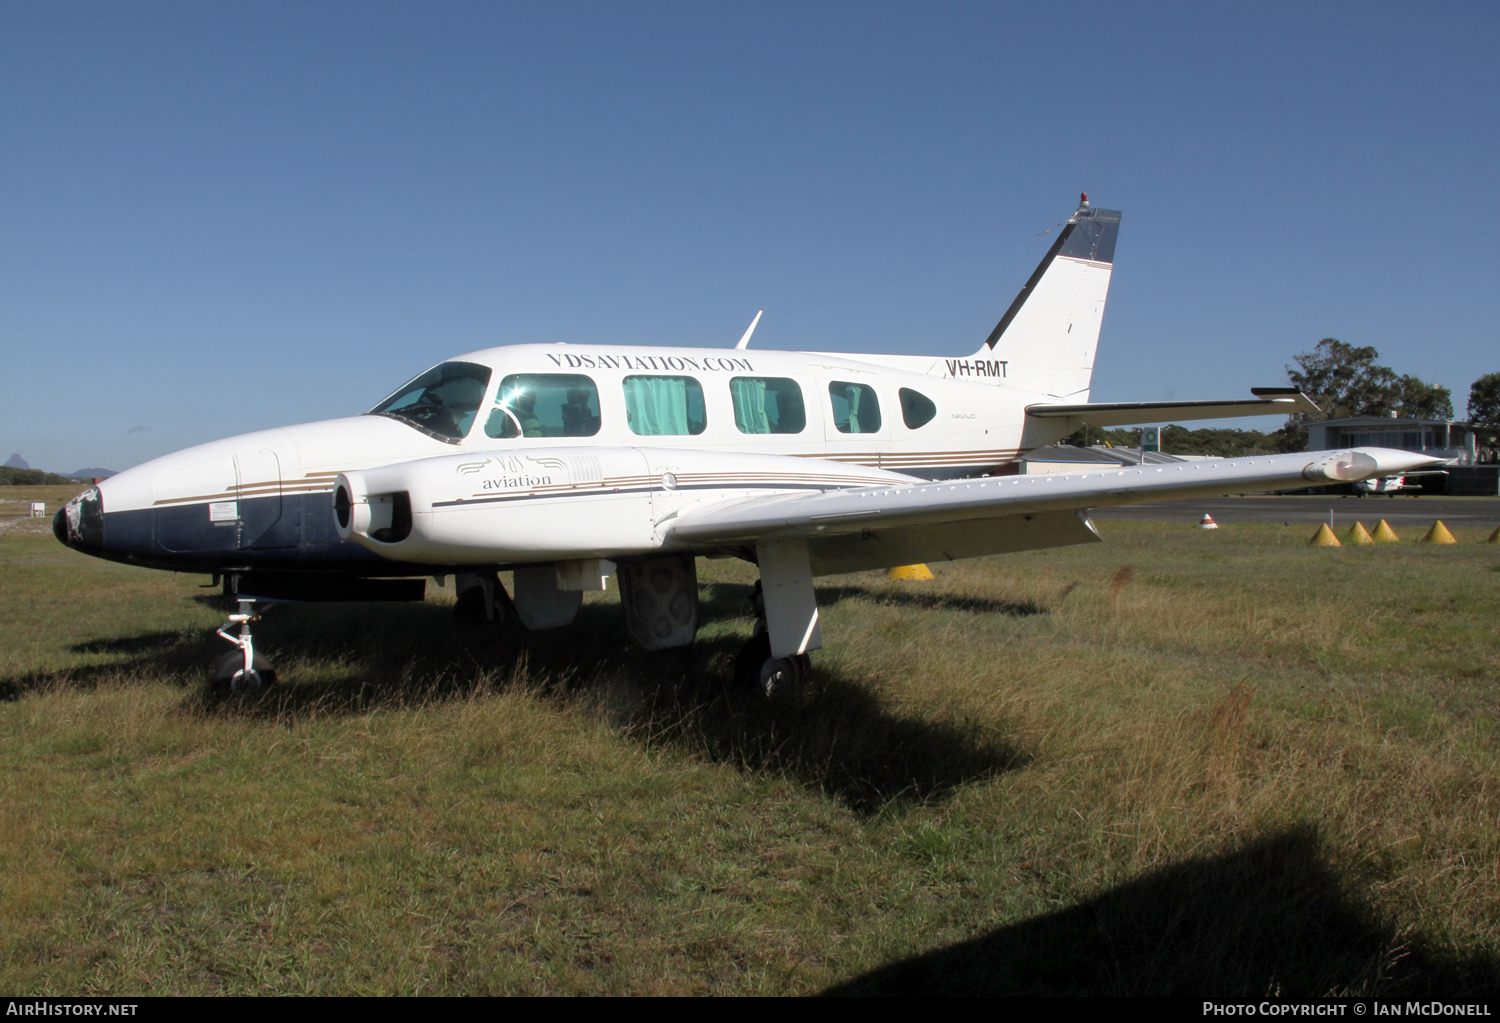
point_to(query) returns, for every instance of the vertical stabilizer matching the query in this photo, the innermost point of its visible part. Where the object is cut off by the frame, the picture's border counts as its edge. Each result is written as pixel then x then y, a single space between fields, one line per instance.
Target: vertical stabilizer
pixel 1048 335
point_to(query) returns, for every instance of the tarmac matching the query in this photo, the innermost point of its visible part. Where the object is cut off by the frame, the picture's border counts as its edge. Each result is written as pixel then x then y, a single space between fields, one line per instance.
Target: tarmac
pixel 1400 511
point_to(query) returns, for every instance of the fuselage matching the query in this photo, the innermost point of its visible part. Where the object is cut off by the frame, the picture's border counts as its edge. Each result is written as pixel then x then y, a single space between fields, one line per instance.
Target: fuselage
pixel 262 501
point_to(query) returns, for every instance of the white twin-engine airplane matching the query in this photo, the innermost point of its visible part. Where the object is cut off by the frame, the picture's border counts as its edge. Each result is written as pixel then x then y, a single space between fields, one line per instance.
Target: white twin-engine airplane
pixel 568 463
pixel 1390 486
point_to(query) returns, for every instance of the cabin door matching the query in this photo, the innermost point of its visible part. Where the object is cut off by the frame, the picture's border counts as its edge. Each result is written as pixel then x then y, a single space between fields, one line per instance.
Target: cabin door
pixel 857 416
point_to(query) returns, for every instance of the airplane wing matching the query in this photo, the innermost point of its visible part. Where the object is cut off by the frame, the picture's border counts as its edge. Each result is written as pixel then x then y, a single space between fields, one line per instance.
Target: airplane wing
pixel 1268 401
pixel 876 527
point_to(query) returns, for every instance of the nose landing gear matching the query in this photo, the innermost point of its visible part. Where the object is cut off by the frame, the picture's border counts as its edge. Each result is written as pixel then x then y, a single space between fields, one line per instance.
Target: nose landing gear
pixel 241 670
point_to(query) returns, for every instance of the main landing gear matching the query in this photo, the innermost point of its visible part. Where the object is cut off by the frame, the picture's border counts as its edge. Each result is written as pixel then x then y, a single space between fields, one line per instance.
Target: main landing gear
pixel 241 670
pixel 776 658
pixel 755 670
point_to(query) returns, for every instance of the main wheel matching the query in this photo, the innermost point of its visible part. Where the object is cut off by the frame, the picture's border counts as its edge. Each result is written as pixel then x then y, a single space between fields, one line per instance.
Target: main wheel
pixel 756 671
pixel 469 608
pixel 228 674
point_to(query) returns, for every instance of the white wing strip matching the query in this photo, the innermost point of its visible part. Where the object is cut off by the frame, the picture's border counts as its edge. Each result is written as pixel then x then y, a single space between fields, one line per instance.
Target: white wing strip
pixel 841 512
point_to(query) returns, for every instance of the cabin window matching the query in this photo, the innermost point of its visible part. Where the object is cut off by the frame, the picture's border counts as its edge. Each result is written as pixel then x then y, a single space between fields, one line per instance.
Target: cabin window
pixel 767 405
pixel 544 405
pixel 916 408
pixel 855 407
pixel 441 402
pixel 664 406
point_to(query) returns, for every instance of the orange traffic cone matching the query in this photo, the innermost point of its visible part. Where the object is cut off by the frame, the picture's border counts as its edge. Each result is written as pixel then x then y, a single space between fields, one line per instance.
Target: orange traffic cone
pixel 1438 534
pixel 1207 522
pixel 1384 533
pixel 1359 534
pixel 1324 538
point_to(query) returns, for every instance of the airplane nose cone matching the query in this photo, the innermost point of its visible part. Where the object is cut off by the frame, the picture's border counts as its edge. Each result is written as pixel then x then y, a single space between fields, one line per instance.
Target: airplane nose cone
pixel 80 523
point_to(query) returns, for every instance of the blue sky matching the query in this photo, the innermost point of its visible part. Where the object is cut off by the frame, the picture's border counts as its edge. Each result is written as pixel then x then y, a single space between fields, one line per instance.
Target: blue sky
pixel 217 218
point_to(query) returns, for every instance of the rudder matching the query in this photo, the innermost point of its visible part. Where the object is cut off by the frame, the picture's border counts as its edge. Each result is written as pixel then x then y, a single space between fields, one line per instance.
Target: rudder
pixel 1049 334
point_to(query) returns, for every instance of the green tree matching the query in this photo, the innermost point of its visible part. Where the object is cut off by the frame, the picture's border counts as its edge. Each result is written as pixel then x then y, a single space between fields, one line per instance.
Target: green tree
pixel 1343 381
pixel 1224 443
pixel 1421 400
pixel 1484 401
pixel 13 477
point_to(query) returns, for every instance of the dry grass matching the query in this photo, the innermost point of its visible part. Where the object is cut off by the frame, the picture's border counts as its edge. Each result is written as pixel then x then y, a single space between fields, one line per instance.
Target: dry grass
pixel 1181 762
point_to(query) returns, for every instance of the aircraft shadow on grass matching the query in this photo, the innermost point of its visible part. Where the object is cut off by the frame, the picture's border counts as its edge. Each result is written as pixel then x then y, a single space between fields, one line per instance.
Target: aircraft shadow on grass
pixel 1272 919
pixel 833 736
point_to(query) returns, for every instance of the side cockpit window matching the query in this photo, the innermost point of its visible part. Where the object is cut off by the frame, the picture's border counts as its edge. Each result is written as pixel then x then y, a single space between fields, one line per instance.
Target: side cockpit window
pixel 441 402
pixel 916 408
pixel 544 405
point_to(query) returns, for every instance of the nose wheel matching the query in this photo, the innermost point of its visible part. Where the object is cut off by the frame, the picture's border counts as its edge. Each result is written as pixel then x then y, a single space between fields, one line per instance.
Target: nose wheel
pixel 243 669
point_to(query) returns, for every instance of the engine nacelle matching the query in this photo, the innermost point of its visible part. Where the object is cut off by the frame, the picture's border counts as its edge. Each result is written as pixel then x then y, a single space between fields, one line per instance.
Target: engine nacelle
pixel 500 507
pixel 383 518
pixel 561 504
pixel 1342 467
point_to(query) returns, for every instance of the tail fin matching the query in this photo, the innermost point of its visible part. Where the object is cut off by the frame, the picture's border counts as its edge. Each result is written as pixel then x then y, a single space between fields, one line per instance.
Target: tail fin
pixel 1048 335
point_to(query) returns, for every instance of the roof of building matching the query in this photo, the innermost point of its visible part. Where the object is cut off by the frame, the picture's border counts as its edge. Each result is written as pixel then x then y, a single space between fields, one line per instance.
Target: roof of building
pixel 1407 422
pixel 1096 454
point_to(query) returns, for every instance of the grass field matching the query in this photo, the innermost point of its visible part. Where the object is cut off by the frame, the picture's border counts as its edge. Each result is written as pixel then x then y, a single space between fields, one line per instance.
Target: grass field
pixel 1179 762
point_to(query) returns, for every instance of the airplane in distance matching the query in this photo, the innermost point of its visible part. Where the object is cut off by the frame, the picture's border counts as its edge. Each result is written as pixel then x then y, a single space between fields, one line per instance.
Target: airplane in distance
pixel 1390 486
pixel 568 463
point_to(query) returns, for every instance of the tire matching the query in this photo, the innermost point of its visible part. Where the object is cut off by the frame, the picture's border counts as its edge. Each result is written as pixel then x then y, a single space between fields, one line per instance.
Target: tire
pixel 749 662
pixel 469 608
pixel 221 675
pixel 755 671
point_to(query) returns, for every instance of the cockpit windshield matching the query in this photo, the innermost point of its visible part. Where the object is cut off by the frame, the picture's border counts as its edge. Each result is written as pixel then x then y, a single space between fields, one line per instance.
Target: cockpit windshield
pixel 441 402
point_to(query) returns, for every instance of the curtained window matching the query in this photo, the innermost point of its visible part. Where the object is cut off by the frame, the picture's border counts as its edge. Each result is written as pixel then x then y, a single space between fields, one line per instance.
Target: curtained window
pixel 767 405
pixel 855 407
pixel 664 406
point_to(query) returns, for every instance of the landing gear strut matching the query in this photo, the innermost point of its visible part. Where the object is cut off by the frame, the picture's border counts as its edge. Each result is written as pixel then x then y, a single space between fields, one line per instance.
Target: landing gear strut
pixel 786 621
pixel 241 670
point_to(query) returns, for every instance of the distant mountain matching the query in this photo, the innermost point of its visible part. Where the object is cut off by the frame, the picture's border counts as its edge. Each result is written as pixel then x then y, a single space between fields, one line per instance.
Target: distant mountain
pixel 16 462
pixel 90 473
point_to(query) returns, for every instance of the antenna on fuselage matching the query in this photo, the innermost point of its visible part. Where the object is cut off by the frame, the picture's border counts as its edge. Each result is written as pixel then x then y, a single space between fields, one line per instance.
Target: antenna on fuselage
pixel 745 341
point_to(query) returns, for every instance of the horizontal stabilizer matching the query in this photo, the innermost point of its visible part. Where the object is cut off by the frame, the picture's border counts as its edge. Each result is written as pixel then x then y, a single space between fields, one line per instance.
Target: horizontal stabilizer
pixel 1269 401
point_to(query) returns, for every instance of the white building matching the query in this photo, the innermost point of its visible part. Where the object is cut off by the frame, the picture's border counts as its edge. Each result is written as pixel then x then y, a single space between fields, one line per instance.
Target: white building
pixel 1441 438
